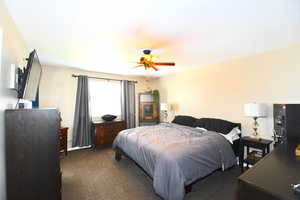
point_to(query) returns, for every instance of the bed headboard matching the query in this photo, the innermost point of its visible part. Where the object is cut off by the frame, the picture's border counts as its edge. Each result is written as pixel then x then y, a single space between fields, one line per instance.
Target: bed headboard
pixel 217 125
pixel 184 120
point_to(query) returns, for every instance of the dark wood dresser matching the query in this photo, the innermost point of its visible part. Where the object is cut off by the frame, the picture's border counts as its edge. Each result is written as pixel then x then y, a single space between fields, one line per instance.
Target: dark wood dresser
pixel 32 154
pixel 106 132
pixel 271 177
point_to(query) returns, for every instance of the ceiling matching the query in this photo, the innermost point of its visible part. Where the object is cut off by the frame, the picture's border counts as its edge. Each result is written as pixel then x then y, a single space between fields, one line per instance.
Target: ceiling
pixel 107 36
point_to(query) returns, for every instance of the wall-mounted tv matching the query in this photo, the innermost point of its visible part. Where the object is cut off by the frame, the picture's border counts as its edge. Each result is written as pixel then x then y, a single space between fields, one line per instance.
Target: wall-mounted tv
pixel 29 78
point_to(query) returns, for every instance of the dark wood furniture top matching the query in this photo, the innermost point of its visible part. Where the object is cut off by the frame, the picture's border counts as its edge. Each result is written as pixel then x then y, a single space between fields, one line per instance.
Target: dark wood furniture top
pixel 263 145
pixel 106 132
pixel 63 140
pixel 271 178
pixel 32 154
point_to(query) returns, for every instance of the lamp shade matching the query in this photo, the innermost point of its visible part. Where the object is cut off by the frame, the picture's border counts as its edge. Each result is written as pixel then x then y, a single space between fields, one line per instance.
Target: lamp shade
pixel 255 110
pixel 164 107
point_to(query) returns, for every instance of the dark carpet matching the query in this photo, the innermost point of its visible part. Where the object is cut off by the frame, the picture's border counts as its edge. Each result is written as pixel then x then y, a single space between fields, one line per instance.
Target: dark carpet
pixel 89 175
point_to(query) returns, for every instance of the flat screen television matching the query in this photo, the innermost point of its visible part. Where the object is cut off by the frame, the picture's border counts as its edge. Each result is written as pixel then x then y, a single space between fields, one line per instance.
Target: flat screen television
pixel 29 78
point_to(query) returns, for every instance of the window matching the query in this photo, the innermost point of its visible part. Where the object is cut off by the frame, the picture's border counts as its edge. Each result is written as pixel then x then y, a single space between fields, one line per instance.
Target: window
pixel 105 98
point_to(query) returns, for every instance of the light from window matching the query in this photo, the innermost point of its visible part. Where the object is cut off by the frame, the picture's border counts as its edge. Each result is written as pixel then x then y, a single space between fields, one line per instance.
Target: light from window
pixel 105 98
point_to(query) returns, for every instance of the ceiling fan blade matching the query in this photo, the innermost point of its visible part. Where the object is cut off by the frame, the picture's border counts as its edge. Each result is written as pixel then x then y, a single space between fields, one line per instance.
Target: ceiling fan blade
pixel 155 68
pixel 164 63
pixel 137 66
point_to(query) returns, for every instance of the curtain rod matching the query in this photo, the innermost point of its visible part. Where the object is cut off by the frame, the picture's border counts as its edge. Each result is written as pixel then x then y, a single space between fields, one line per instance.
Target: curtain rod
pixel 109 79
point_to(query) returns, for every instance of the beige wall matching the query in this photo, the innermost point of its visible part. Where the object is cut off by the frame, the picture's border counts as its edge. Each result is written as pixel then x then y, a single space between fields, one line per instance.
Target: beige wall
pixel 221 90
pixel 218 90
pixel 12 51
pixel 58 90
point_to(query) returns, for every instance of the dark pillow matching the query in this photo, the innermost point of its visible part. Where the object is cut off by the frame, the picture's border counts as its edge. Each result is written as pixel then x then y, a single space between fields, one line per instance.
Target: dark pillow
pixel 217 125
pixel 184 120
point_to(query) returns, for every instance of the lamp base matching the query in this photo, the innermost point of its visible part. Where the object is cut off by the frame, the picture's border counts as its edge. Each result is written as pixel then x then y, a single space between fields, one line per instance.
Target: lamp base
pixel 255 128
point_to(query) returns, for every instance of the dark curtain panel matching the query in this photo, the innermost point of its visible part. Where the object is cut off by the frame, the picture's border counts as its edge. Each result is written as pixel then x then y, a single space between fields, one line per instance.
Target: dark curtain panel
pixel 128 103
pixel 82 122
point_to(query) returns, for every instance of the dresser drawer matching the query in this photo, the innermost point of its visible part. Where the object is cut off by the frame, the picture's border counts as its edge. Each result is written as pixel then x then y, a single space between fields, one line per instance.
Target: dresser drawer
pixel 109 130
pixel 120 127
pixel 100 140
pixel 110 126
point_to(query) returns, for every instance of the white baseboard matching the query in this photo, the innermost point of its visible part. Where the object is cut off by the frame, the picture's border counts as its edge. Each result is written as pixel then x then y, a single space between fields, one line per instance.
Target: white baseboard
pixel 79 148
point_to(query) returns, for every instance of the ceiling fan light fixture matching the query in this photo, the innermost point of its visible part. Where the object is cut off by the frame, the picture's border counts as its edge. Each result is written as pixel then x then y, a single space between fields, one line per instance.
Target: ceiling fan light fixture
pixel 147 63
pixel 147 51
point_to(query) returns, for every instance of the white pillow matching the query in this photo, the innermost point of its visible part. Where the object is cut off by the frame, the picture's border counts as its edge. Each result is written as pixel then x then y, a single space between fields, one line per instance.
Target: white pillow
pixel 232 135
pixel 202 129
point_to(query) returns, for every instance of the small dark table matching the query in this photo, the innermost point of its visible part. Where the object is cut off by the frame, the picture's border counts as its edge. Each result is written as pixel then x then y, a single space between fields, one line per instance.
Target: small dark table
pixel 261 146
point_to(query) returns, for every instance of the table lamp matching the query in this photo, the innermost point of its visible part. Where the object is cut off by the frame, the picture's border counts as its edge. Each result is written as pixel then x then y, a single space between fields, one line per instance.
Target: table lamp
pixel 255 110
pixel 164 107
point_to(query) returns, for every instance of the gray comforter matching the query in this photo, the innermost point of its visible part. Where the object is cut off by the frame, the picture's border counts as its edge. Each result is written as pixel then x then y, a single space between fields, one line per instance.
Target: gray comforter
pixel 175 155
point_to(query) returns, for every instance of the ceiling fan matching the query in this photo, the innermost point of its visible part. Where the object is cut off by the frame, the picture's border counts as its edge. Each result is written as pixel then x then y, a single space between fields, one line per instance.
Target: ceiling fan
pixel 147 63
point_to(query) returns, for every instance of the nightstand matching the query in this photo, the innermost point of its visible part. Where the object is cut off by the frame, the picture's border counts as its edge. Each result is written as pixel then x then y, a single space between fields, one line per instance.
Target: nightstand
pixel 259 148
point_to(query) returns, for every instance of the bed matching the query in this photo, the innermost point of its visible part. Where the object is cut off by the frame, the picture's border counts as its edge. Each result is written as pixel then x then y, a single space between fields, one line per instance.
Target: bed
pixel 177 154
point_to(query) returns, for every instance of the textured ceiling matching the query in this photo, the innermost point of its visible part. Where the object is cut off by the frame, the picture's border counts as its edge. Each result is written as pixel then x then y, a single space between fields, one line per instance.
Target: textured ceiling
pixel 106 36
